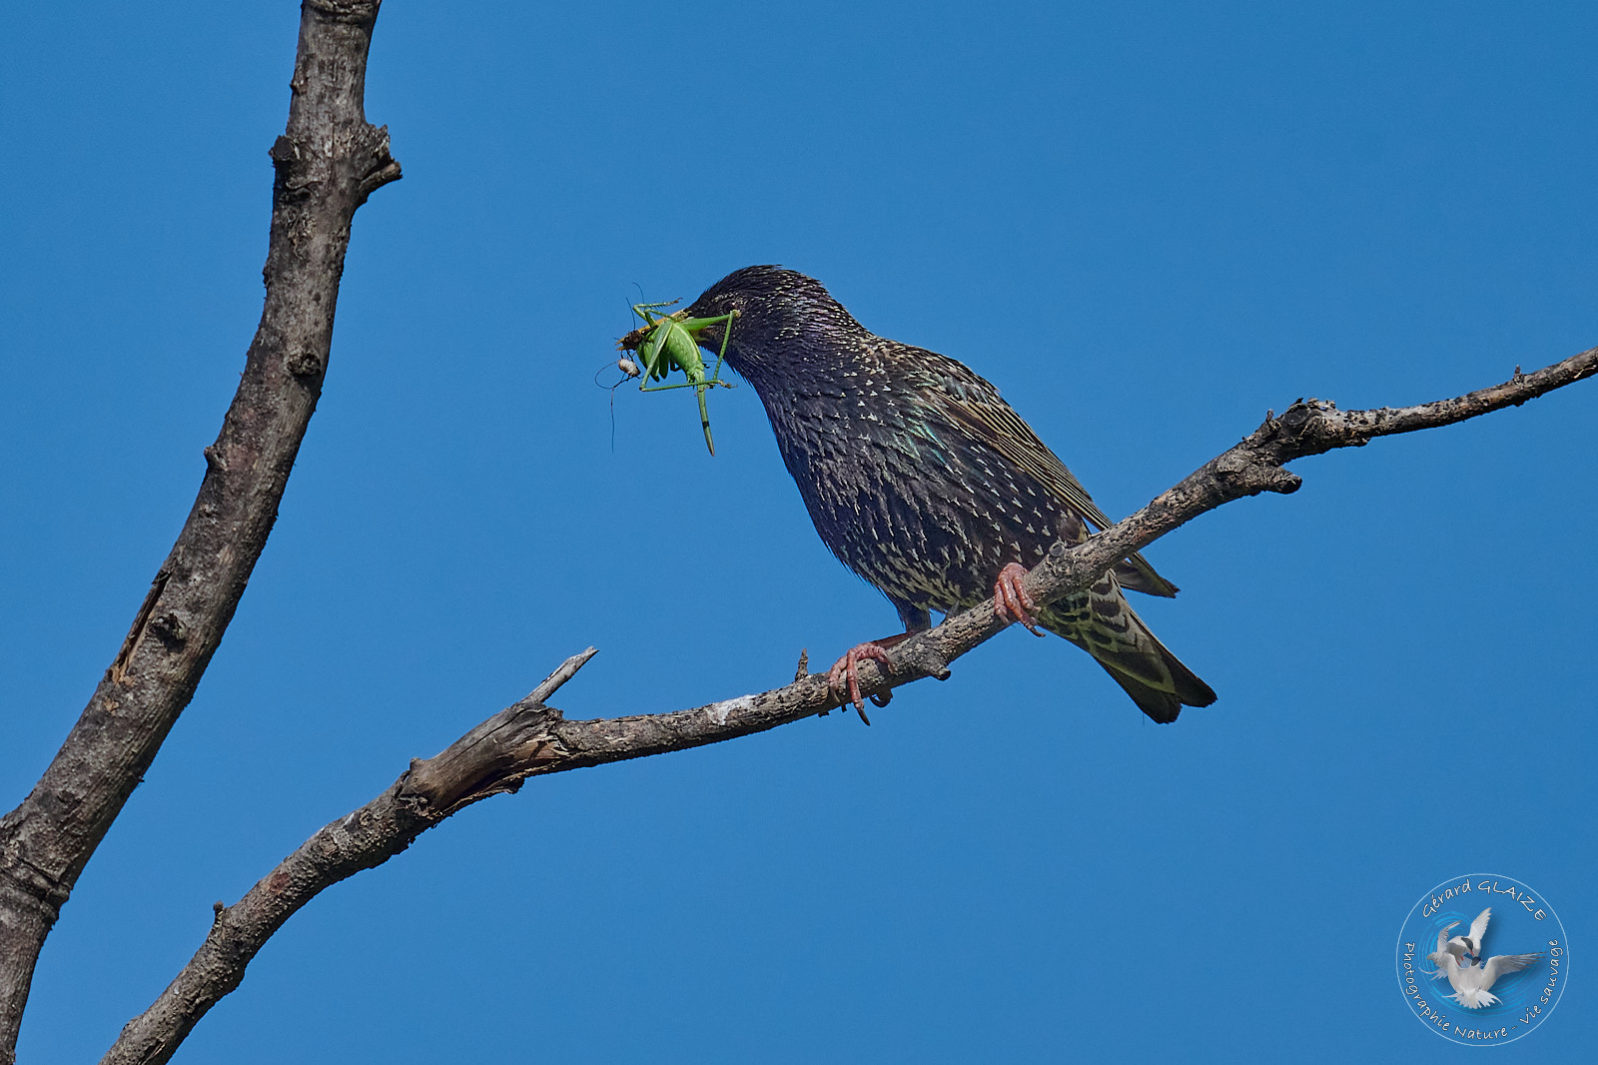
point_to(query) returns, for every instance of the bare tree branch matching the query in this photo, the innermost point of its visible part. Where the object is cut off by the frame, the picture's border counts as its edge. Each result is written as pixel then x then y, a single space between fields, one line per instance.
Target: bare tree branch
pixel 329 160
pixel 530 738
pixel 484 762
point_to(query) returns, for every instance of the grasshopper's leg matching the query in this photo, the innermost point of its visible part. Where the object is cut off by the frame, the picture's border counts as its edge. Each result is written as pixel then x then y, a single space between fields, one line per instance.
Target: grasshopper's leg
pixel 726 335
pixel 704 420
pixel 643 310
pixel 683 384
pixel 648 353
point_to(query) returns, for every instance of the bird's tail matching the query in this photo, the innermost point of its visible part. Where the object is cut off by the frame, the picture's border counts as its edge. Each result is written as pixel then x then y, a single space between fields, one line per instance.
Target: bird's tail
pixel 1474 998
pixel 1103 623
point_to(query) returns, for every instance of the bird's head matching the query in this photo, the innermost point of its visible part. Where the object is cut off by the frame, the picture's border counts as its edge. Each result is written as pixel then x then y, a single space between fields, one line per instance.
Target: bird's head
pixel 780 315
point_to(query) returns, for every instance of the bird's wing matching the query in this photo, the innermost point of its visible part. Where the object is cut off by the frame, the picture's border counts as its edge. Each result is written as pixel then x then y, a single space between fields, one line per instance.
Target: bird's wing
pixel 1506 963
pixel 1478 927
pixel 976 407
pixel 1442 938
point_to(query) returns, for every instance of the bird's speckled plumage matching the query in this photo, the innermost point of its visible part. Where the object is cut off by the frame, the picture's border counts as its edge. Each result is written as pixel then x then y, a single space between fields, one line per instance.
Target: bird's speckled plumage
pixel 922 480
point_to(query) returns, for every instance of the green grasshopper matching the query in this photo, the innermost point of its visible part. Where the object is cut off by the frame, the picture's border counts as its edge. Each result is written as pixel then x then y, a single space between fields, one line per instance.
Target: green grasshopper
pixel 667 342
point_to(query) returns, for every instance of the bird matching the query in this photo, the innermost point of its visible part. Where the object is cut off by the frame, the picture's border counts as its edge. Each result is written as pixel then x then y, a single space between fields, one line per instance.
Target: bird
pixel 1470 946
pixel 926 483
pixel 1471 982
pixel 1448 950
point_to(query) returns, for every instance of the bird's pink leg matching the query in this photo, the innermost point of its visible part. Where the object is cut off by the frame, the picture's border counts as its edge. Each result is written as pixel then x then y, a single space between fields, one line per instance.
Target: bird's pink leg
pixel 844 676
pixel 1011 601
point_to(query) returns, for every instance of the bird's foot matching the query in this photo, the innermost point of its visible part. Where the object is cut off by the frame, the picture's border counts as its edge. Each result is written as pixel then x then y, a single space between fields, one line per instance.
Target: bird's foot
pixel 1011 601
pixel 844 676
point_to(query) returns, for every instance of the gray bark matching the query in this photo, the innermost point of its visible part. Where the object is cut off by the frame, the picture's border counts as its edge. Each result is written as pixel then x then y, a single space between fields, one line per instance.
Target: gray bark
pixel 327 162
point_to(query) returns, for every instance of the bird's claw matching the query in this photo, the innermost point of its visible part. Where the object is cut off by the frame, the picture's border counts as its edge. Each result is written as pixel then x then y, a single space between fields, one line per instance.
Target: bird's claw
pixel 1011 601
pixel 844 678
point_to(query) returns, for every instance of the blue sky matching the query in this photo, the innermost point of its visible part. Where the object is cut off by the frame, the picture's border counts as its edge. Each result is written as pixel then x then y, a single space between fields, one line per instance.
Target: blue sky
pixel 1147 223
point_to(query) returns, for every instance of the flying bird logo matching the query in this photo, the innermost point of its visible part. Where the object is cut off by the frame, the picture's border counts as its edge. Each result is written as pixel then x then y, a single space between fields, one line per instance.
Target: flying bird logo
pixel 1471 982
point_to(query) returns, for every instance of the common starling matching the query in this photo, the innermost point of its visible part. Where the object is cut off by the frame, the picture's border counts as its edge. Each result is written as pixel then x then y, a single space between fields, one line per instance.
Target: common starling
pixel 927 484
